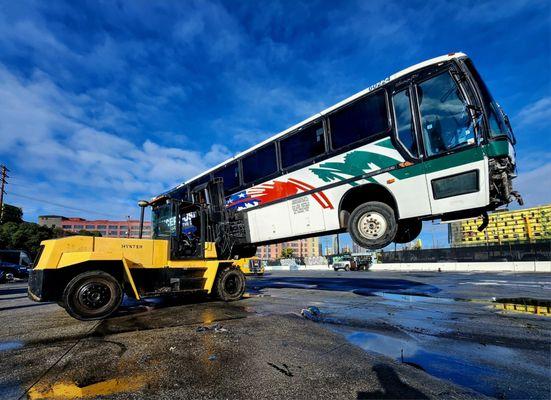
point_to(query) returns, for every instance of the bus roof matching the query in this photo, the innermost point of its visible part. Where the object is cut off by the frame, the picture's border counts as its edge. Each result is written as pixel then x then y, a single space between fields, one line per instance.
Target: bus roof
pixel 432 61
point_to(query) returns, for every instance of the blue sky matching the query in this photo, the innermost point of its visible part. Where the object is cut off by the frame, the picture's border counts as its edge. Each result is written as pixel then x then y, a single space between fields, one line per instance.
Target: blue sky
pixel 103 103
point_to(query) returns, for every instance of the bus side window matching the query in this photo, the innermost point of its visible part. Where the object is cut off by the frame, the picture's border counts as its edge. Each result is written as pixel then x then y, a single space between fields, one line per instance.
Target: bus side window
pixel 302 145
pixel 260 164
pixel 405 130
pixel 360 120
pixel 230 175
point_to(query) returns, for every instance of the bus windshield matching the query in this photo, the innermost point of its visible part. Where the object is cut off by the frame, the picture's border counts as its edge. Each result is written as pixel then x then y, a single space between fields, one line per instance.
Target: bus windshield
pixel 497 126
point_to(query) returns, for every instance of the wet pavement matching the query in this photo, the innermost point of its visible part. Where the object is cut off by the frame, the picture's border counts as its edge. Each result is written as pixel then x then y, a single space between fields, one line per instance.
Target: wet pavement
pixel 376 335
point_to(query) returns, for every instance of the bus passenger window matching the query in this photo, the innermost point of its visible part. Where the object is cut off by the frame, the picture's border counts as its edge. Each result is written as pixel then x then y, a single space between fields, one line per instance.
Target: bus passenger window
pixel 404 122
pixel 361 120
pixel 302 145
pixel 260 164
pixel 445 120
pixel 230 175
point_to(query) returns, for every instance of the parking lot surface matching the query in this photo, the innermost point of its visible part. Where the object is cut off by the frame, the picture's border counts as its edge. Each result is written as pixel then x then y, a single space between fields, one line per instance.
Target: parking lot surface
pixel 364 335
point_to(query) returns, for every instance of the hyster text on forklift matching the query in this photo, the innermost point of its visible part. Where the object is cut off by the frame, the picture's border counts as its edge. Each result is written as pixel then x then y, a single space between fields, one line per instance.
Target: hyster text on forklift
pixel 197 247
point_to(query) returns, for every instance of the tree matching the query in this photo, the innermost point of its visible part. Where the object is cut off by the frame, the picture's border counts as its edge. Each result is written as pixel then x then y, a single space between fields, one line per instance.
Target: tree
pixel 287 253
pixel 84 232
pixel 11 214
pixel 24 236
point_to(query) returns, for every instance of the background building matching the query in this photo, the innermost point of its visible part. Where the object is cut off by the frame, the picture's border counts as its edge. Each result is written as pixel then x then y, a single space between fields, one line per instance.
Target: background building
pixel 107 228
pixel 519 226
pixel 309 247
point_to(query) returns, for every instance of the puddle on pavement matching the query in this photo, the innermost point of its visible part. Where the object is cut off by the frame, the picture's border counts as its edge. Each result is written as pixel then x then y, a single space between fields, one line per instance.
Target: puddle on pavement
pixel 363 286
pixel 483 368
pixel 68 390
pixel 412 298
pixel 164 317
pixel 6 346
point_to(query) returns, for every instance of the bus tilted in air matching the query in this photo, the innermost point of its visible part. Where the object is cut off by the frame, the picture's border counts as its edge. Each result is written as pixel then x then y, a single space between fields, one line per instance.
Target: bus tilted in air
pixel 426 143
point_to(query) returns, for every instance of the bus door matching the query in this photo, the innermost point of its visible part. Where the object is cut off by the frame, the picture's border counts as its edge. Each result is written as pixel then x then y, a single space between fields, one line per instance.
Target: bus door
pixel 454 164
pixel 412 190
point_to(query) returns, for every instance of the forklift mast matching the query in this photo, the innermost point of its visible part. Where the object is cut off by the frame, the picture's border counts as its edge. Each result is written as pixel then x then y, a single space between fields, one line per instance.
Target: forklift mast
pixel 223 226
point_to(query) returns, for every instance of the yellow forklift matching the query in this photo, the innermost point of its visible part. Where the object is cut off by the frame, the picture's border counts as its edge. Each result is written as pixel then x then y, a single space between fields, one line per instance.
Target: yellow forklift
pixel 198 247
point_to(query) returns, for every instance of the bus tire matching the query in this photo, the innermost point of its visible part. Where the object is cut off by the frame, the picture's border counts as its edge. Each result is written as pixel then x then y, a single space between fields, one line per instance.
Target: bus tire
pixel 92 295
pixel 408 230
pixel 229 284
pixel 372 225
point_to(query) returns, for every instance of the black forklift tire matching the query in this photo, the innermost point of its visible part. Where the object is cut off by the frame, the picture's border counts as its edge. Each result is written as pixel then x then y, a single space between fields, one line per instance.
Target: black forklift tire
pixel 92 295
pixel 408 230
pixel 229 284
pixel 372 225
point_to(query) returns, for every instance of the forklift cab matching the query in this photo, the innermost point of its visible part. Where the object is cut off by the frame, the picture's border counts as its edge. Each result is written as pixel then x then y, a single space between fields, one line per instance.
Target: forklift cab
pixel 183 224
pixel 187 224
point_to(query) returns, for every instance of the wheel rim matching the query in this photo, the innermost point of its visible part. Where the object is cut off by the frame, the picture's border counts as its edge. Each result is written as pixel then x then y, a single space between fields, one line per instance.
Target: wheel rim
pixel 94 295
pixel 231 284
pixel 372 225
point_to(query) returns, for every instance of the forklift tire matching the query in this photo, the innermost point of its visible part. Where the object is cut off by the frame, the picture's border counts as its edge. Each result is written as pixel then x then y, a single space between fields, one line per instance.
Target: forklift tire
pixel 229 284
pixel 92 295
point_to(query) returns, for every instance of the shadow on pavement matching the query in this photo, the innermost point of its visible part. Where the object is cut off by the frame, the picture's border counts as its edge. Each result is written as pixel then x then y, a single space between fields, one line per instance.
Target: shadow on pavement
pixel 393 387
pixel 12 291
pixel 23 306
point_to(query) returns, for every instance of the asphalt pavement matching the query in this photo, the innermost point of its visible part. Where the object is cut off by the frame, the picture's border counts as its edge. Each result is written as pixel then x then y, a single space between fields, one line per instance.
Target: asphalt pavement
pixel 366 335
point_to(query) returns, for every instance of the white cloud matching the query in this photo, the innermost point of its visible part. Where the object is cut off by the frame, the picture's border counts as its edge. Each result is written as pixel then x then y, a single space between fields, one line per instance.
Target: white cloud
pixel 45 133
pixel 535 185
pixel 537 113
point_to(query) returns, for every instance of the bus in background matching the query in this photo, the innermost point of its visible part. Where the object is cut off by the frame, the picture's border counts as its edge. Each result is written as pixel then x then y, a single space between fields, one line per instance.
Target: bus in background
pixel 426 143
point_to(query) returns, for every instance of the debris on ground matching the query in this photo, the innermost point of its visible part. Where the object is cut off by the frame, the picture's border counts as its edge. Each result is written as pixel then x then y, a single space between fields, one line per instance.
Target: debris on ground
pixel 284 369
pixel 212 357
pixel 312 313
pixel 217 328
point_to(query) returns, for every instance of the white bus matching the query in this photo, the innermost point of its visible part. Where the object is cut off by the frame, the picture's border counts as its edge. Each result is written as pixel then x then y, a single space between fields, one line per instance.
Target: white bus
pixel 426 143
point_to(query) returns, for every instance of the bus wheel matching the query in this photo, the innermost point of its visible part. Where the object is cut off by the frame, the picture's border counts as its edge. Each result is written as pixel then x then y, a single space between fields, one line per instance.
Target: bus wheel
pixel 408 230
pixel 92 295
pixel 230 284
pixel 372 225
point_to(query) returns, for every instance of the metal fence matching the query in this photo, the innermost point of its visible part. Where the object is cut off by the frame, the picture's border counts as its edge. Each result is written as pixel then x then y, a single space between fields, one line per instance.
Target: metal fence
pixel 538 251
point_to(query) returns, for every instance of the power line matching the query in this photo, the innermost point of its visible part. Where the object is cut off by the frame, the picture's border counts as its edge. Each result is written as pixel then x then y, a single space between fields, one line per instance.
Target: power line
pixel 62 205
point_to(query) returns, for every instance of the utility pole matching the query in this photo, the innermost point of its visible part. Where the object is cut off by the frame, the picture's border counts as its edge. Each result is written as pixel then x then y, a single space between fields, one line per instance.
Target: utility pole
pixel 4 180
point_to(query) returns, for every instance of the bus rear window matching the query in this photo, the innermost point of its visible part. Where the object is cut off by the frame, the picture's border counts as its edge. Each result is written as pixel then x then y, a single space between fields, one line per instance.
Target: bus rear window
pixel 363 119
pixel 262 163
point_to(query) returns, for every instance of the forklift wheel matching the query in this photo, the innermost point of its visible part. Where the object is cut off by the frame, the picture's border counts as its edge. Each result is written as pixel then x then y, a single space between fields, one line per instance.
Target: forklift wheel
pixel 230 284
pixel 92 295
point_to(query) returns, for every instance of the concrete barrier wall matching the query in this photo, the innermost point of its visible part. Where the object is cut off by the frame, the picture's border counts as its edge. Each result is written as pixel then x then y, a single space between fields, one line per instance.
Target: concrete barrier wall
pixel 512 266
pixel 318 267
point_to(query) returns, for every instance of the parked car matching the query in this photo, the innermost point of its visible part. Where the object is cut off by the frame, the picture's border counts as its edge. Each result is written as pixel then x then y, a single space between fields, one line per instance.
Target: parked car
pixel 14 264
pixel 345 264
pixel 18 257
pixel 11 271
